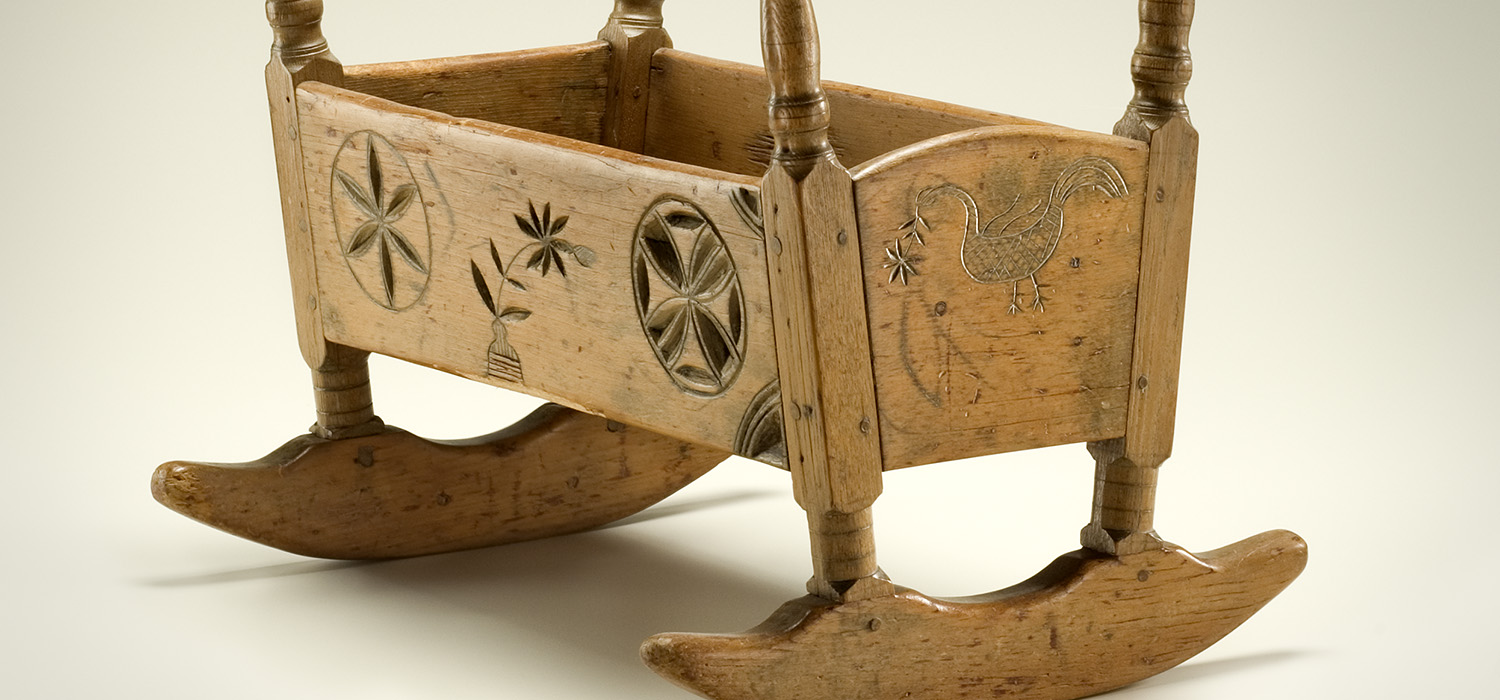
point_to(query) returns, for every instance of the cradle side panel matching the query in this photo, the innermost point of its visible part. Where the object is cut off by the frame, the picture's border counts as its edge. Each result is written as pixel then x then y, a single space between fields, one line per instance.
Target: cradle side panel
pixel 712 113
pixel 558 90
pixel 602 280
pixel 1001 267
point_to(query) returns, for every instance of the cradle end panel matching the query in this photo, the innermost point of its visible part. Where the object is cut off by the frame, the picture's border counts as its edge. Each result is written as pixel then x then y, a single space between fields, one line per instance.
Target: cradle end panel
pixel 1001 270
pixel 613 283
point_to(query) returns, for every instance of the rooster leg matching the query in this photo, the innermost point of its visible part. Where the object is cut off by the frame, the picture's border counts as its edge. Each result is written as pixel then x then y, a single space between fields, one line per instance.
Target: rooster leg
pixel 1015 298
pixel 1036 300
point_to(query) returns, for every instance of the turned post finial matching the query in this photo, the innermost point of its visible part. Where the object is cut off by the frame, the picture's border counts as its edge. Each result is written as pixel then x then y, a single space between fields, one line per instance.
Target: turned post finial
pixel 799 107
pixel 1162 64
pixel 637 13
pixel 297 27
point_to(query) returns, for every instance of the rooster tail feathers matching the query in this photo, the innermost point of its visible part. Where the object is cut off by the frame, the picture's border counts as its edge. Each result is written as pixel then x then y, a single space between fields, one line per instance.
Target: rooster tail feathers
pixel 1089 172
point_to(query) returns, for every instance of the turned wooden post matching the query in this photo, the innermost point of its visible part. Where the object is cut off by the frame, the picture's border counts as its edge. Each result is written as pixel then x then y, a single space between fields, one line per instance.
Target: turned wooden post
pixel 1125 480
pixel 634 33
pixel 818 308
pixel 341 378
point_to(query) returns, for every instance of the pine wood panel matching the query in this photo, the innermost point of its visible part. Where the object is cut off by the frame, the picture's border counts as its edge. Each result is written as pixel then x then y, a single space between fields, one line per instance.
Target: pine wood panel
pixel 557 90
pixel 570 332
pixel 712 113
pixel 966 363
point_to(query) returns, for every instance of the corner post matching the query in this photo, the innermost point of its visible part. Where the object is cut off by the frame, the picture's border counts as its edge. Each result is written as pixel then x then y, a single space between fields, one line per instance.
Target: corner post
pixel 341 379
pixel 818 308
pixel 1125 480
pixel 634 33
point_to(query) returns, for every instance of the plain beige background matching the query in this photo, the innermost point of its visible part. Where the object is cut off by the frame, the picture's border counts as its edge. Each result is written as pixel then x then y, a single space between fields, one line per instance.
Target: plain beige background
pixel 1339 375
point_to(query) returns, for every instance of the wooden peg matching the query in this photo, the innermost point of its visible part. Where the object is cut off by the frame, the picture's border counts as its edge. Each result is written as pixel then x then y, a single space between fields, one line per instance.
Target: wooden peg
pixel 1125 480
pixel 634 33
pixel 818 308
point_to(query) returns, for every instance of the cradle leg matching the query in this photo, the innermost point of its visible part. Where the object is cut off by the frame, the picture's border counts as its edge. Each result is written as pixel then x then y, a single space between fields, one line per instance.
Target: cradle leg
pixel 1124 501
pixel 341 395
pixel 378 492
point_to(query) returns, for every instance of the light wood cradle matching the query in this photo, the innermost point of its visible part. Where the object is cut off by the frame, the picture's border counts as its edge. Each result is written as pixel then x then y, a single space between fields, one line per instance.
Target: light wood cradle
pixel 669 249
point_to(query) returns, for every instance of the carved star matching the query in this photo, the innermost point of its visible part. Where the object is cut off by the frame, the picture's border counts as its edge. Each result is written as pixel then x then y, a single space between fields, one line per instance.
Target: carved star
pixel 901 263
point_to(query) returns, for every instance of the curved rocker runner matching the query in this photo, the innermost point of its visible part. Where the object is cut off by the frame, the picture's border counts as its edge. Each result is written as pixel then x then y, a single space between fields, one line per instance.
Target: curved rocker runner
pixel 852 355
pixel 1086 624
pixel 393 494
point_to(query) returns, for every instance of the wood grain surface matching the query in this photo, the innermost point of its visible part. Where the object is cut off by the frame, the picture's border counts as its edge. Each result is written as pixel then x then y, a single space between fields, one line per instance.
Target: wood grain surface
pixel 572 332
pixel 966 361
pixel 635 34
pixel 822 334
pixel 1086 624
pixel 393 494
pixel 557 90
pixel 712 113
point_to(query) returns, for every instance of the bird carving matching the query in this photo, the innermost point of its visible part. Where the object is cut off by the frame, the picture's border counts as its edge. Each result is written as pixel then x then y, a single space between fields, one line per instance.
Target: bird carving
pixel 1017 249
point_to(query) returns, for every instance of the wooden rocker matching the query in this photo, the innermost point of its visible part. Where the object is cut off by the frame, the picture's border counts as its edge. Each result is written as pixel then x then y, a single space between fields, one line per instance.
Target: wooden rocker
pixel 615 226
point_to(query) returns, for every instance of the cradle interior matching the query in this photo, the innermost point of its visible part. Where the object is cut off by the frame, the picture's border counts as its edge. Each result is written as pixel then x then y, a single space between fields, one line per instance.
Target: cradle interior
pixel 703 111
pixel 712 113
pixel 557 90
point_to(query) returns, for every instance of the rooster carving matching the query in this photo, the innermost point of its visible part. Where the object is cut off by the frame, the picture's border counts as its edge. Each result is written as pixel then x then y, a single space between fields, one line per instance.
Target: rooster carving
pixel 1020 247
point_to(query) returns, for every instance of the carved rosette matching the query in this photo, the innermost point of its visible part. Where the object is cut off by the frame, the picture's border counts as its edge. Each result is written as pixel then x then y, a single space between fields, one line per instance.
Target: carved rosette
pixel 688 297
pixel 384 235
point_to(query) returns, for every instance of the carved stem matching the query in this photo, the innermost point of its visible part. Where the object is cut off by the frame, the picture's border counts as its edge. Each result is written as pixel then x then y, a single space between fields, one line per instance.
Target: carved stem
pixel 799 108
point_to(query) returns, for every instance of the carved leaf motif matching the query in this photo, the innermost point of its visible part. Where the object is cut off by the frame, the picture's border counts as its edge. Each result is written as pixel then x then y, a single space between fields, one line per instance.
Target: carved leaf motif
pixel 377 178
pixel 685 220
pixel 363 237
pixel 400 200
pixel 483 287
pixel 357 194
pixel 736 317
pixel 696 375
pixel 584 255
pixel 669 324
pixel 713 339
pixel 661 252
pixel 495 256
pixel 387 274
pixel 514 313
pixel 527 227
pixel 711 269
pixel 405 249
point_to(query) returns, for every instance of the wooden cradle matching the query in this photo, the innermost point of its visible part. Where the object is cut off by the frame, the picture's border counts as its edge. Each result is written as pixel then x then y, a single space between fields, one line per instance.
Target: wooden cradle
pixel 589 224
